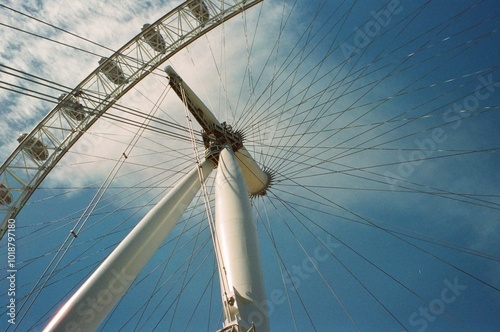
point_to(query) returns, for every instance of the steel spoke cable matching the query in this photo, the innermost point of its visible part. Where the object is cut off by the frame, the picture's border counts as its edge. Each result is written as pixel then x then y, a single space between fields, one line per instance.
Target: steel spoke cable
pixel 356 119
pixel 406 123
pixel 111 116
pixel 438 192
pixel 343 63
pixel 183 268
pixel 139 64
pixel 397 237
pixel 182 290
pixel 34 78
pixel 411 191
pixel 394 119
pixel 389 227
pixel 343 154
pixel 211 296
pixel 208 208
pixel 335 295
pixel 49 39
pixel 322 161
pixel 80 223
pixel 291 209
pixel 160 276
pixel 275 49
pixel 420 297
pixel 293 170
pixel 55 27
pixel 449 103
pixel 157 140
pixel 331 147
pixel 295 288
pixel 304 55
pixel 37 95
pixel 61 89
pixel 203 293
pixel 313 80
pixel 144 276
pixel 368 103
pixel 403 59
pixel 156 291
pixel 111 198
pixel 185 281
pixel 284 19
pixel 250 44
pixel 279 260
pixel 356 151
pixel 288 61
pixel 296 173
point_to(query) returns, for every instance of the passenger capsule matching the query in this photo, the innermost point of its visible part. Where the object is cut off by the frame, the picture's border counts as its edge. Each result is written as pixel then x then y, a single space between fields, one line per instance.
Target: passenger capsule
pixel 112 71
pixel 154 39
pixel 35 147
pixel 5 195
pixel 200 11
pixel 72 107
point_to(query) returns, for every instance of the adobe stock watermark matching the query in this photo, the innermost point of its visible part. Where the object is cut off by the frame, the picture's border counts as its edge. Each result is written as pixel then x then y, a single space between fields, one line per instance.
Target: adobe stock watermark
pixel 12 271
pixel 297 274
pixel 428 146
pixel 436 307
pixel 365 35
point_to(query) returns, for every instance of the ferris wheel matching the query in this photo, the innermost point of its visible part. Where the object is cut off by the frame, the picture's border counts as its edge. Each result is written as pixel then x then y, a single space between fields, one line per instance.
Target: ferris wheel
pixel 300 167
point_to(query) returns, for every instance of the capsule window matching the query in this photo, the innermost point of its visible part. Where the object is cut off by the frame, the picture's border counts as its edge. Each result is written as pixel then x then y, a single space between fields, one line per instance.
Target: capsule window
pixel 154 39
pixel 200 11
pixel 5 195
pixel 34 147
pixel 72 107
pixel 112 71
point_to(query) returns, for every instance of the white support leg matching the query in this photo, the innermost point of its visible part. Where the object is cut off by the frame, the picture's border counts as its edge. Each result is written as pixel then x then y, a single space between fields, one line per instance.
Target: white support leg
pixel 239 259
pixel 85 310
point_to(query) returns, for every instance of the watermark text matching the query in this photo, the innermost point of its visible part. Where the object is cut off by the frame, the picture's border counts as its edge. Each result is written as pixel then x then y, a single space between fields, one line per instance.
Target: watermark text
pixel 11 271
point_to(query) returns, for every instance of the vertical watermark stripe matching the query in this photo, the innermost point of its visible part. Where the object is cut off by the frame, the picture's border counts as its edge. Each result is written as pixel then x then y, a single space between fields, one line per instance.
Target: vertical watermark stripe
pixel 11 271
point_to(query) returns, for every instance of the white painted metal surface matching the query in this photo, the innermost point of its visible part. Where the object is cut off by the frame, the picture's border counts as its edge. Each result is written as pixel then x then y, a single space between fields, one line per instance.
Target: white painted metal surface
pixel 241 274
pixel 207 115
pixel 85 310
pixel 256 179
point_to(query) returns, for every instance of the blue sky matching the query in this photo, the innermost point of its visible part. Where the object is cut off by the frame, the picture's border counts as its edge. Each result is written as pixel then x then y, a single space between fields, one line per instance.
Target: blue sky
pixel 380 121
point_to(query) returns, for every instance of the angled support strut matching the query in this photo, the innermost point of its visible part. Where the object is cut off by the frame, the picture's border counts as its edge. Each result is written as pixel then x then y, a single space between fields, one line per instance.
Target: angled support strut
pixel 86 309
